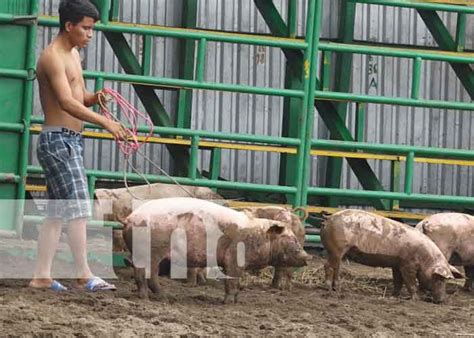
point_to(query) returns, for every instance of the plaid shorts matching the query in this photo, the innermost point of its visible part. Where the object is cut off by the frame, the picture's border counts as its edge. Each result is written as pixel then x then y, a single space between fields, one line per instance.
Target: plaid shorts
pixel 60 152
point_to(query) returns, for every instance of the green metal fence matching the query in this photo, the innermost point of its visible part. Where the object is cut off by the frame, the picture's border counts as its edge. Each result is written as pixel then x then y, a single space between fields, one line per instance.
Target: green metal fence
pixel 306 87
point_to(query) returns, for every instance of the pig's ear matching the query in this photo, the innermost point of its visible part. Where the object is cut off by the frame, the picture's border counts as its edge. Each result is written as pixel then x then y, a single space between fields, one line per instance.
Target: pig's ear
pixel 443 272
pixel 276 228
pixel 456 273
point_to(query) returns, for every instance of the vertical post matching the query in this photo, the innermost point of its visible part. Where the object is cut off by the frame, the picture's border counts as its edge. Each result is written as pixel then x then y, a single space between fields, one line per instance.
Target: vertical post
pixel 99 85
pixel 146 54
pixel 91 185
pixel 461 32
pixel 30 65
pixel 415 84
pixel 311 64
pixel 201 60
pixel 187 62
pixel 215 169
pixel 342 82
pixel 395 182
pixel 326 71
pixel 409 172
pixel 104 8
pixel 292 18
pixel 114 10
pixel 194 157
pixel 360 122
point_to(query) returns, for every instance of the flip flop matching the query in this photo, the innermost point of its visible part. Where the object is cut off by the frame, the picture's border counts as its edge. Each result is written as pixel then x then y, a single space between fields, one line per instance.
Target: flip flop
pixel 56 286
pixel 98 284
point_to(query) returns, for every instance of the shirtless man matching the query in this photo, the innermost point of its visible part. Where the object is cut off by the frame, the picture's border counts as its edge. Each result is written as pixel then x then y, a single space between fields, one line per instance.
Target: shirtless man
pixel 65 99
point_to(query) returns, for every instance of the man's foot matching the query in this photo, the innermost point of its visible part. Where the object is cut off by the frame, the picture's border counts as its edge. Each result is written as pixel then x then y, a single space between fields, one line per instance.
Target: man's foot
pixel 47 284
pixel 94 284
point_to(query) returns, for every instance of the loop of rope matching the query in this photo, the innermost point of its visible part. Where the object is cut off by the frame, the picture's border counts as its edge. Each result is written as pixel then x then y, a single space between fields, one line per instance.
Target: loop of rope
pixel 131 145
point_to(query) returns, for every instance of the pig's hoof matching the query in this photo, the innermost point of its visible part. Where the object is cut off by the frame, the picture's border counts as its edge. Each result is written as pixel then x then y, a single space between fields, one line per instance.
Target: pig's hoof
pixel 230 299
pixel 143 294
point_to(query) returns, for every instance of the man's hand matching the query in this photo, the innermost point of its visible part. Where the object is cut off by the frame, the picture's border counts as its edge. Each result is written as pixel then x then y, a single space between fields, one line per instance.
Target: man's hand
pixel 117 130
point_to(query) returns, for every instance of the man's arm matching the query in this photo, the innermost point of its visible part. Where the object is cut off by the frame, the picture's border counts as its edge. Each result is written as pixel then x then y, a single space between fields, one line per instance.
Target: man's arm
pixel 56 73
pixel 90 99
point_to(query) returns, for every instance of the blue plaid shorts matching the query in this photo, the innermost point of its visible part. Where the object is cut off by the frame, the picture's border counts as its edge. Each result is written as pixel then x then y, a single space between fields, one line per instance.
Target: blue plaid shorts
pixel 60 153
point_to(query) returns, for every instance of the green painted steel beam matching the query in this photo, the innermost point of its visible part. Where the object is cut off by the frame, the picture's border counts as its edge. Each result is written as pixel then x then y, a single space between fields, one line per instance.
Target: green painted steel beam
pixel 393 149
pixel 461 32
pixel 458 200
pixel 326 95
pixel 18 19
pixel 115 27
pixel 9 178
pixel 342 83
pixel 184 180
pixel 205 134
pixel 150 81
pixel 12 127
pixel 421 4
pixel 443 38
pixel 187 50
pixel 431 55
pixel 104 8
pixel 313 33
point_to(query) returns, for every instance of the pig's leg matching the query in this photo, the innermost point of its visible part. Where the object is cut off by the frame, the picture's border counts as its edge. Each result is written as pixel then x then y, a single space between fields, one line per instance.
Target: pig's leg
pixel 397 282
pixel 232 285
pixel 153 282
pixel 192 276
pixel 409 278
pixel 140 279
pixel 469 271
pixel 331 270
pixel 282 278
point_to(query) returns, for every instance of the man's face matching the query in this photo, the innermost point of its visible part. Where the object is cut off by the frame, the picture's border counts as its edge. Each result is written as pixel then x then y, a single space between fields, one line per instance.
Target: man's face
pixel 81 33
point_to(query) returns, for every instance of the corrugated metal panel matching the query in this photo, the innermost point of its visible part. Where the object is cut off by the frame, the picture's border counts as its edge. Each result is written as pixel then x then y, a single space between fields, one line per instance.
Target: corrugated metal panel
pixel 242 113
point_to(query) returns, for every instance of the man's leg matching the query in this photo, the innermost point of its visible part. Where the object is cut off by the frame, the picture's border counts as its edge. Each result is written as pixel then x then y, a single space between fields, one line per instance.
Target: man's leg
pixel 47 245
pixel 77 236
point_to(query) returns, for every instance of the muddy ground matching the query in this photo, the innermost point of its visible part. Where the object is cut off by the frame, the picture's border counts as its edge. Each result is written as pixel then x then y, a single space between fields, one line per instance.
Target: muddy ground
pixel 364 308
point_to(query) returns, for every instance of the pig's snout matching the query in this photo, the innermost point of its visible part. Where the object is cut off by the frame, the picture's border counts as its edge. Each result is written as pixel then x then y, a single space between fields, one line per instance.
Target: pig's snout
pixel 303 258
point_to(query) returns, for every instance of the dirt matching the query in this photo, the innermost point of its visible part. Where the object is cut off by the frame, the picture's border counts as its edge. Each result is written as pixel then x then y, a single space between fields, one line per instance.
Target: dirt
pixel 363 308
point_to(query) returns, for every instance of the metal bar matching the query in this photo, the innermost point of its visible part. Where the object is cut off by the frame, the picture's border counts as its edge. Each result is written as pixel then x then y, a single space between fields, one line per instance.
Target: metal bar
pixel 461 32
pixel 147 41
pixel 415 84
pixel 397 52
pixel 99 85
pixel 179 83
pixel 173 32
pixel 395 183
pixel 292 18
pixel 193 157
pixel 12 127
pixel 187 61
pixel 104 8
pixel 393 149
pixel 394 100
pixel 203 134
pixel 360 122
pixel 459 200
pixel 14 73
pixel 18 19
pixel 215 170
pixel 313 32
pixel 9 178
pixel 326 70
pixel 91 185
pixel 444 40
pixel 30 63
pixel 409 172
pixel 114 10
pixel 185 181
pixel 421 4
pixel 201 60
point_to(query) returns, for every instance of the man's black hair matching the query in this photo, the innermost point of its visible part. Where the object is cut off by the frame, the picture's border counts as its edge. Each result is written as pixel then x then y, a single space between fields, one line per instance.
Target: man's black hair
pixel 75 11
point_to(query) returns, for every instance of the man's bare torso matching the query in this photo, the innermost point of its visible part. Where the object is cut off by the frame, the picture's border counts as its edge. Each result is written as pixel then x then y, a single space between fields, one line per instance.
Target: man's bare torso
pixel 54 115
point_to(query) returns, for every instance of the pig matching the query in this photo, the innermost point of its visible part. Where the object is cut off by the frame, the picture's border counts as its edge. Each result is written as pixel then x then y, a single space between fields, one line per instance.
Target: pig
pixel 266 242
pixel 123 200
pixel 453 233
pixel 378 241
pixel 282 277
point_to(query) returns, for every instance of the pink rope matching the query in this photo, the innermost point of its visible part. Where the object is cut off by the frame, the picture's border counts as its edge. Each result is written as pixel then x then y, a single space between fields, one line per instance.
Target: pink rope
pixel 132 115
